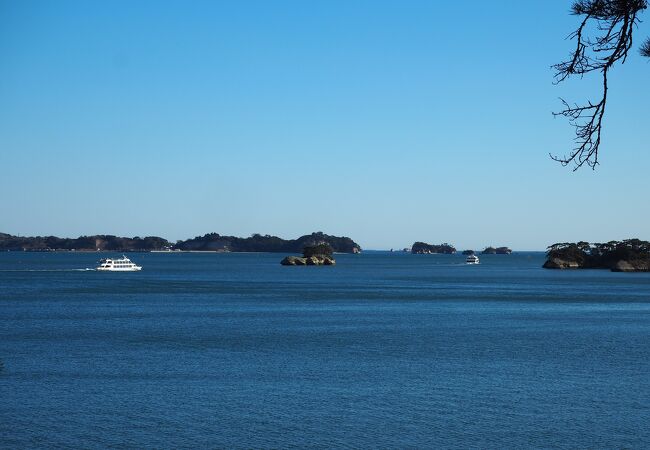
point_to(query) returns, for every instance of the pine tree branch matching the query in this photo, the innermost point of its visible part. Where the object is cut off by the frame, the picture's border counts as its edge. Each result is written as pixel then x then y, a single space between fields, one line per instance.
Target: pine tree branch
pixel 616 21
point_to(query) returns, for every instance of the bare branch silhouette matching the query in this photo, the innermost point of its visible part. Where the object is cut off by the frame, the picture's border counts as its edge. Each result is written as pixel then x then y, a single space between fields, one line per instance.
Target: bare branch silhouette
pixel 613 22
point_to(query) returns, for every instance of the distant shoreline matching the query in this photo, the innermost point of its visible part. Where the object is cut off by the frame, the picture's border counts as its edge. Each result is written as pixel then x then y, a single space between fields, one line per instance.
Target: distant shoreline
pixel 209 243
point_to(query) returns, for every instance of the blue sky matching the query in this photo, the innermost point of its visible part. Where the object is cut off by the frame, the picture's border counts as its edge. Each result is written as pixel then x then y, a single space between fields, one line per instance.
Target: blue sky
pixel 388 122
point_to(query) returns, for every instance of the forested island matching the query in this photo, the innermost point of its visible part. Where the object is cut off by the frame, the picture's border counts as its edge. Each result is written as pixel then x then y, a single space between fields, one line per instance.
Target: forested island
pixel 424 248
pixel 267 243
pixel 497 251
pixel 630 255
pixel 209 242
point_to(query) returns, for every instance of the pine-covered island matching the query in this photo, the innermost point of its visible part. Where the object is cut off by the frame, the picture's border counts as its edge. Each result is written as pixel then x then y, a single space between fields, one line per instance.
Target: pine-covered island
pixel 630 255
pixel 424 248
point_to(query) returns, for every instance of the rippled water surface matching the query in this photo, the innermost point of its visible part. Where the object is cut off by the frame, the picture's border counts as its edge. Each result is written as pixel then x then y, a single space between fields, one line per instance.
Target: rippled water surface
pixel 382 350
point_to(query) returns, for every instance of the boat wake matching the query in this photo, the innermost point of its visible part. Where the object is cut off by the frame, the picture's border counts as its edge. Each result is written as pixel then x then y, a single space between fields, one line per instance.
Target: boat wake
pixel 48 270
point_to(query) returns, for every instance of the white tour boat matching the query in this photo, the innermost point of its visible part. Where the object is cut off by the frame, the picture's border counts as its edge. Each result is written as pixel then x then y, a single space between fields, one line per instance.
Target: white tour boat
pixel 472 259
pixel 122 264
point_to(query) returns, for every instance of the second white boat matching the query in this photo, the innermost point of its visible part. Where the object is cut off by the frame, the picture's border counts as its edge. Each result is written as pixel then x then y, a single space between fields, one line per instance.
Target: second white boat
pixel 472 259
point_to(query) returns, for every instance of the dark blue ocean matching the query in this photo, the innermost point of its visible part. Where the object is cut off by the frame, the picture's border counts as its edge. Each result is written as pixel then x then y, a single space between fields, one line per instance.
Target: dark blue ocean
pixel 382 350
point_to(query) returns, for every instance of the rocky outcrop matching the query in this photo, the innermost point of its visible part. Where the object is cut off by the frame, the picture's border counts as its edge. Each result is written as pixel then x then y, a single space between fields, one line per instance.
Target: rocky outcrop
pixel 294 261
pixel 319 254
pixel 316 260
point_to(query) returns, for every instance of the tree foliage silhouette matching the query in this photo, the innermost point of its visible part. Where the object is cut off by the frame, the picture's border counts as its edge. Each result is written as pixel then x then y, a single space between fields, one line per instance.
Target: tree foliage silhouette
pixel 603 38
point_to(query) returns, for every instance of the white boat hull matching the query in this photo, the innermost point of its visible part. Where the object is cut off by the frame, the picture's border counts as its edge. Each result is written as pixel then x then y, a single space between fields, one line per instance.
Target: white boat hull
pixel 122 264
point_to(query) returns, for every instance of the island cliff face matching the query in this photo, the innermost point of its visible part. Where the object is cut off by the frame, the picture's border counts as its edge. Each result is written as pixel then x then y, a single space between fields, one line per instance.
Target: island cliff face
pixel 423 247
pixel 631 255
pixel 209 242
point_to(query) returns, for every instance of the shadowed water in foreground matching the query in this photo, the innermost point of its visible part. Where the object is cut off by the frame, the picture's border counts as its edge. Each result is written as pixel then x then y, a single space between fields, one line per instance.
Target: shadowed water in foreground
pixel 382 350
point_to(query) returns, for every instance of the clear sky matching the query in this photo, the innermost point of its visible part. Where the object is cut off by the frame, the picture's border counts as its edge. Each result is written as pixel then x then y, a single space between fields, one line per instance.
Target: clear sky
pixel 388 122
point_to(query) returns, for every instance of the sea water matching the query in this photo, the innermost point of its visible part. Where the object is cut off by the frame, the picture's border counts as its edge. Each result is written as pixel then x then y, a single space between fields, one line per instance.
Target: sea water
pixel 381 350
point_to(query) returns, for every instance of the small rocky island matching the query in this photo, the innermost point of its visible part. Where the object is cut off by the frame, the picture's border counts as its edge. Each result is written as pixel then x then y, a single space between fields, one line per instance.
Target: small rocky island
pixel 313 255
pixel 631 255
pixel 497 251
pixel 424 248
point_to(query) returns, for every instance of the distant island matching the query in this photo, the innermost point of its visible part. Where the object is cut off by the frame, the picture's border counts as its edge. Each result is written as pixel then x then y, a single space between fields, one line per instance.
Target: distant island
pixel 447 249
pixel 631 255
pixel 212 242
pixel 424 248
pixel 497 251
